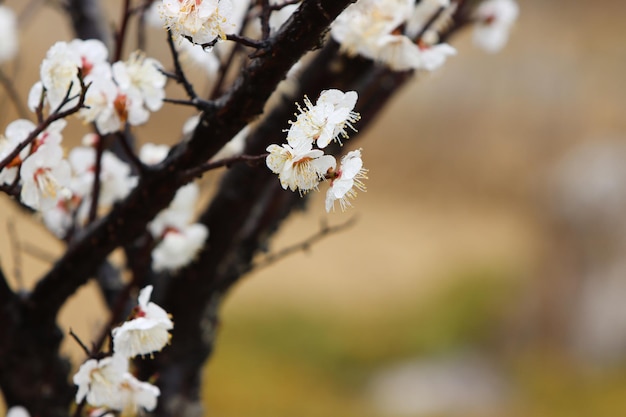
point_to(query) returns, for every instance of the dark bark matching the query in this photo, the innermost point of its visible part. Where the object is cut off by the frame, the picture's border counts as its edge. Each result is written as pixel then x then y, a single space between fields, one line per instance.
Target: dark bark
pixel 88 20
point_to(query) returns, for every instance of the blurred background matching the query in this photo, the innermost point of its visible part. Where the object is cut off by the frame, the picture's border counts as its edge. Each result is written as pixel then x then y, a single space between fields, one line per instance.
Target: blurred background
pixel 486 271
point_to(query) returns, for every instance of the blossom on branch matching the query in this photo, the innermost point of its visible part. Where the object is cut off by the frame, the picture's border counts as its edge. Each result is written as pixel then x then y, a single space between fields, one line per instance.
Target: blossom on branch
pixel 98 381
pixel 300 167
pixel 44 175
pixel 15 133
pixel 326 121
pixel 383 30
pixel 107 383
pixel 494 19
pixel 179 247
pixel 116 181
pixel 146 332
pixel 201 20
pixel 179 241
pixel 345 180
pixel 59 69
pixel 141 76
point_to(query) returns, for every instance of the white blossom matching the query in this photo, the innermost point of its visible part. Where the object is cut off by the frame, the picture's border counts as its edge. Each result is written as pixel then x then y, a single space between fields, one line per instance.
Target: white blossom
pixel 179 241
pixel 116 180
pixel 16 132
pixel 98 381
pixel 433 57
pixel 199 57
pixel 59 69
pixel 327 120
pixel 60 217
pixel 141 76
pixel 135 394
pixel 8 34
pixel 372 28
pixel 360 26
pixel 17 411
pixel 202 20
pixel 178 214
pixel 146 332
pixel 494 19
pixel 346 179
pixel 44 175
pixel 151 154
pixel 179 247
pixel 299 168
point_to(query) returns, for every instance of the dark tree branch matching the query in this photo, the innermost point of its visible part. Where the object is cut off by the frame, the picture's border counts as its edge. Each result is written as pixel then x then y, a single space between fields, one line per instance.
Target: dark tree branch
pixel 95 191
pixel 197 172
pixel 88 20
pixel 120 35
pixel 305 245
pixel 179 74
pixel 5 291
pixel 14 96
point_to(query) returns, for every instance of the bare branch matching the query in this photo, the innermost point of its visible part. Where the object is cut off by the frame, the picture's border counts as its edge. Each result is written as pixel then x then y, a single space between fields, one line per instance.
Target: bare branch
pixel 179 73
pixel 80 343
pixel 120 35
pixel 89 20
pixel 190 174
pixel 305 245
pixel 13 95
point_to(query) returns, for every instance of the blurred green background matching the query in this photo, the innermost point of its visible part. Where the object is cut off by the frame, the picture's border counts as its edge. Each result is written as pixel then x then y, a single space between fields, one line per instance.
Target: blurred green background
pixel 485 273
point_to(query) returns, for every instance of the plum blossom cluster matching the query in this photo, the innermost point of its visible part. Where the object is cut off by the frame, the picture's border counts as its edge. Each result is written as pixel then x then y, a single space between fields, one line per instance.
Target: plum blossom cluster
pixel 178 239
pixel 201 21
pixel 394 32
pixel 108 382
pixel 44 173
pixel 405 36
pixel 302 167
pixel 121 93
pixel 114 96
pixel 71 208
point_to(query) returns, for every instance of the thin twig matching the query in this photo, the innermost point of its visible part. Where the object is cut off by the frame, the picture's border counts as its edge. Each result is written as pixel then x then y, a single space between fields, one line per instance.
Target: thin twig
pixel 16 249
pixel 429 23
pixel 198 103
pixel 120 36
pixel 242 40
pixel 226 65
pixel 208 166
pixel 13 96
pixel 132 156
pixel 80 343
pixel 266 12
pixel 180 75
pixel 274 7
pixel 53 117
pixel 324 231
